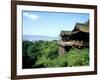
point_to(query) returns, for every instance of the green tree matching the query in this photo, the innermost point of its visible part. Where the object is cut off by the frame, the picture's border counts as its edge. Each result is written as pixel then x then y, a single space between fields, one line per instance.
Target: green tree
pixel 26 61
pixel 78 57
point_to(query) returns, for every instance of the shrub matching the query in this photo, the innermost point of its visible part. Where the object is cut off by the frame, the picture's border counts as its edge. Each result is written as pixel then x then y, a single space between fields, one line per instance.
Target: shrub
pixel 78 57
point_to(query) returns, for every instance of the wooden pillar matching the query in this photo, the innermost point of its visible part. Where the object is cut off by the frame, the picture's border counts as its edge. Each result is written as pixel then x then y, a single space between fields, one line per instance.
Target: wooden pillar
pixel 61 50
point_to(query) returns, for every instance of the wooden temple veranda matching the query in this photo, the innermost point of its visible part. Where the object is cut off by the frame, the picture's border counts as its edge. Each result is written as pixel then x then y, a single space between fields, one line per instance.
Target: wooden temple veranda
pixel 77 38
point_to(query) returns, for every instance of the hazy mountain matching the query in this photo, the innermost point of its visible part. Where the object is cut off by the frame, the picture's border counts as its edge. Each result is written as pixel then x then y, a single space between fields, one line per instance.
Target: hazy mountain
pixel 39 37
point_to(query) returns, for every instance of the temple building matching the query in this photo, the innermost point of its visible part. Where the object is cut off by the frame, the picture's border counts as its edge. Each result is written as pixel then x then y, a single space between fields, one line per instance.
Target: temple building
pixel 77 38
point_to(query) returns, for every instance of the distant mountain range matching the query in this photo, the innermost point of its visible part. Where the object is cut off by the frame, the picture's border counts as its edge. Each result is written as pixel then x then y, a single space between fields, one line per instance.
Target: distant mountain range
pixel 38 37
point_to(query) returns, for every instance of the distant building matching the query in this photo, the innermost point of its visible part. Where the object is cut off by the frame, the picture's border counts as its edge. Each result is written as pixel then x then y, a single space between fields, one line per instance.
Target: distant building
pixel 77 38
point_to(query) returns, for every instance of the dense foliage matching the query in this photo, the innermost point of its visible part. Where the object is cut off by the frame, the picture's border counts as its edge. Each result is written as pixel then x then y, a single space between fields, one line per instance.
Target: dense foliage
pixel 41 54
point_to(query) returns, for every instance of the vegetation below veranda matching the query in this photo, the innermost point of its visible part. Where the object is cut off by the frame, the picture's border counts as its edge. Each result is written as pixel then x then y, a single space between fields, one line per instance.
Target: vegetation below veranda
pixel 42 54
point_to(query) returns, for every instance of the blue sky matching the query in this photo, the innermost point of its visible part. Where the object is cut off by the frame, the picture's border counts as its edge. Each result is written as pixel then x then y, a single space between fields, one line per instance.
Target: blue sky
pixel 50 23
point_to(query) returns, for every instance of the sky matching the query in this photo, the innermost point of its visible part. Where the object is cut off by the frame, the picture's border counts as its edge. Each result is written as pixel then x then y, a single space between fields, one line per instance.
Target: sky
pixel 50 23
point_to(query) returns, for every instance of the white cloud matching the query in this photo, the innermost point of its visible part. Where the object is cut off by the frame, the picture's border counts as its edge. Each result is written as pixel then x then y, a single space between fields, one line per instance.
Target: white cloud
pixel 31 16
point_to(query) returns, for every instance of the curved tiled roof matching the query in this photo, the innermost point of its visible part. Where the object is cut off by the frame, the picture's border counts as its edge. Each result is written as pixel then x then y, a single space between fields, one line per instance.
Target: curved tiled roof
pixel 81 27
pixel 78 27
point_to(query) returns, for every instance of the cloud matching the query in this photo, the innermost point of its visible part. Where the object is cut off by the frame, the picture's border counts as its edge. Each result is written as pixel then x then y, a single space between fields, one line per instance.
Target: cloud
pixel 31 16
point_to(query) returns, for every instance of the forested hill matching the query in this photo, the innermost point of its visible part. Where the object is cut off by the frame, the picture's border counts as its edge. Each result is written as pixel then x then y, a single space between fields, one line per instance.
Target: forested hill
pixel 44 54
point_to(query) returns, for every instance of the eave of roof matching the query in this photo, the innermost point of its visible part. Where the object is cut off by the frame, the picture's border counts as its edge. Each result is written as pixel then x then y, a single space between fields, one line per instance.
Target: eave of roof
pixel 81 27
pixel 78 27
